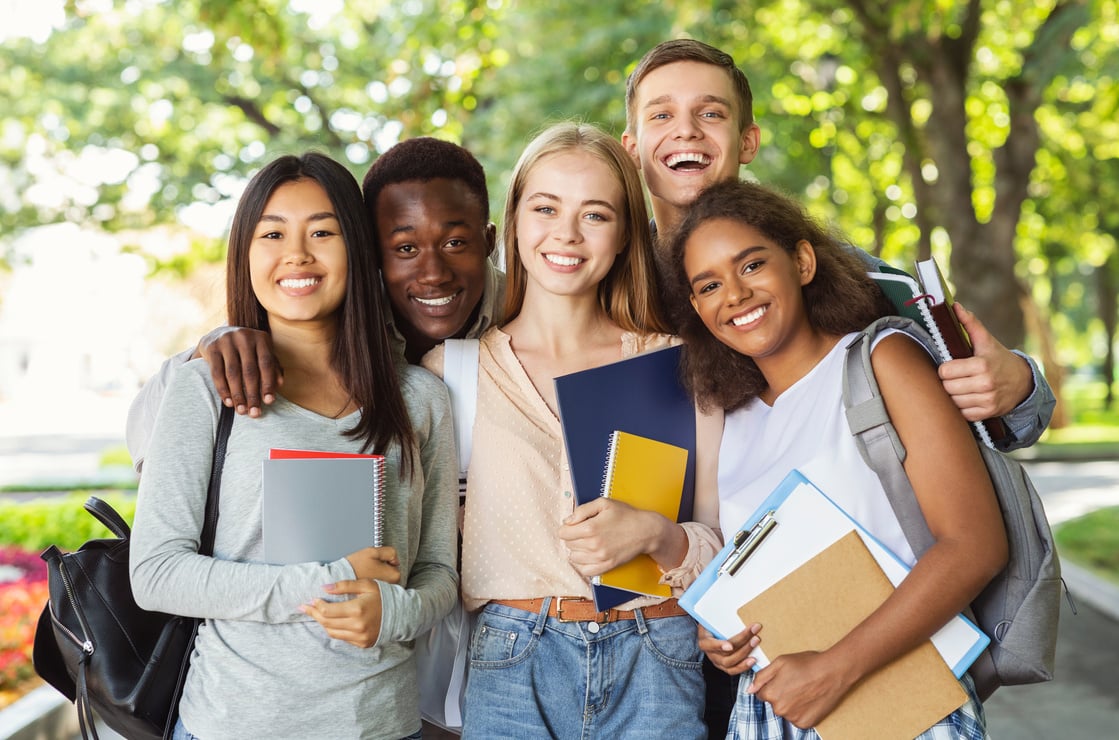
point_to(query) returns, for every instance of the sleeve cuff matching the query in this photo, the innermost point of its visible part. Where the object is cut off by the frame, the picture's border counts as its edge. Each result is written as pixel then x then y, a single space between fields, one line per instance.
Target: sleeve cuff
pixel 1030 418
pixel 703 545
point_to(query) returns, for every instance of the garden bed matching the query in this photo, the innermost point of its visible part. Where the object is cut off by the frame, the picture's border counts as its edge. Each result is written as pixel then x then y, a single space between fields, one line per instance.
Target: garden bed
pixel 23 591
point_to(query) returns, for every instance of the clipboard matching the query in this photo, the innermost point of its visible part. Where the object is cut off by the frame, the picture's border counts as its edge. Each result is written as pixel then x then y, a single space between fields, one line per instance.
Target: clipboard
pixel 805 523
pixel 816 605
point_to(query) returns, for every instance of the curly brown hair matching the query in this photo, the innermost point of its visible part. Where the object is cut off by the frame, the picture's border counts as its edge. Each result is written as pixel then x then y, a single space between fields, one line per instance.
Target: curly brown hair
pixel 841 297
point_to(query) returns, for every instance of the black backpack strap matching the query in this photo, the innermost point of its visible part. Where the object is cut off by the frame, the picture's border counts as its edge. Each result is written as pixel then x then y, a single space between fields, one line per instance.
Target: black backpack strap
pixel 206 545
pixel 213 496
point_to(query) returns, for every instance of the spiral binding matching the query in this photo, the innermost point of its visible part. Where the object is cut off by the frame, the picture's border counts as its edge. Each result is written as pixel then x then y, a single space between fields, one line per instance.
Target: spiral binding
pixel 608 472
pixel 378 501
pixel 942 349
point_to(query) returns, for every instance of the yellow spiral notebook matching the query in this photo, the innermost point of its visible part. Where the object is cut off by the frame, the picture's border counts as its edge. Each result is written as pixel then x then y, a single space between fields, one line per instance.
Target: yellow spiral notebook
pixel 646 474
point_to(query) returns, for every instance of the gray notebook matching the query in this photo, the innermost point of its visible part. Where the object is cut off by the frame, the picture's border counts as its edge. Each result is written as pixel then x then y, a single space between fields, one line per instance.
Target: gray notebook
pixel 321 509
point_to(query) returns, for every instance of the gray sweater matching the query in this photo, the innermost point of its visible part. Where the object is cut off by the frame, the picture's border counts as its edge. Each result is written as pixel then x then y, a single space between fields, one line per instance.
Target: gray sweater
pixel 261 668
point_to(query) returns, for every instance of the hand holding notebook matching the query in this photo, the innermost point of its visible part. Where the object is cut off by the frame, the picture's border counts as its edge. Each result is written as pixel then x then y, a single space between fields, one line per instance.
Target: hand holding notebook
pixel 807 522
pixel 954 343
pixel 640 395
pixel 930 304
pixel 815 606
pixel 649 475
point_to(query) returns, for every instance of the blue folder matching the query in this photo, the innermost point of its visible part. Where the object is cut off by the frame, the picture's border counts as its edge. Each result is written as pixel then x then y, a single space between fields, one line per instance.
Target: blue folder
pixel 641 395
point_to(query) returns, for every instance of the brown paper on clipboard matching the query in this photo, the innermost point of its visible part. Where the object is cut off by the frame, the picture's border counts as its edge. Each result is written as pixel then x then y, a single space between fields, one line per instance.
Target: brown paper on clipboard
pixel 820 602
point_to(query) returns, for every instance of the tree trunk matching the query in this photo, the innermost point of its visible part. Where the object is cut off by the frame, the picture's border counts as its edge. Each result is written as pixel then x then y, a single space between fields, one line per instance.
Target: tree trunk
pixel 1105 285
pixel 1039 327
pixel 983 255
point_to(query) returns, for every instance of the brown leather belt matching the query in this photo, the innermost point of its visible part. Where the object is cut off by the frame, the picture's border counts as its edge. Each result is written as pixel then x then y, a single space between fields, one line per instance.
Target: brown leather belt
pixel 574 609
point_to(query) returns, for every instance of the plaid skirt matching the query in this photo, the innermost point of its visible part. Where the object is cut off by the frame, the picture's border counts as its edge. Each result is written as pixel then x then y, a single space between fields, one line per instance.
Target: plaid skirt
pixel 753 719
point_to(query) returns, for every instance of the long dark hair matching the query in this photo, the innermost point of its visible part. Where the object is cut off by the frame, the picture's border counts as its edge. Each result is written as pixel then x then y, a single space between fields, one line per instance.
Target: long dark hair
pixel 840 299
pixel 361 356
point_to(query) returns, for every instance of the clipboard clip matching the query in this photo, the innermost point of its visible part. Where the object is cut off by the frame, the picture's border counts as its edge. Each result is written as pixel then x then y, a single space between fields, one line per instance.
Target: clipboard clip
pixel 745 542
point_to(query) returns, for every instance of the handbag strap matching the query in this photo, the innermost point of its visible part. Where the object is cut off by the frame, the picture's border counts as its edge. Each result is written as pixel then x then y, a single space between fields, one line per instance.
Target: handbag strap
pixel 108 516
pixel 206 545
pixel 213 495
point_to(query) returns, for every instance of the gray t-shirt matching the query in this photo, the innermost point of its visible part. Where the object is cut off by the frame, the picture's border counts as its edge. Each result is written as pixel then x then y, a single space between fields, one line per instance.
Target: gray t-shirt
pixel 261 668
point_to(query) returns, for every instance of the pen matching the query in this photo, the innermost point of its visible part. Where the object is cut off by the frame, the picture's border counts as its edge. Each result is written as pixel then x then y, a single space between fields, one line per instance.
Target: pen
pixel 746 542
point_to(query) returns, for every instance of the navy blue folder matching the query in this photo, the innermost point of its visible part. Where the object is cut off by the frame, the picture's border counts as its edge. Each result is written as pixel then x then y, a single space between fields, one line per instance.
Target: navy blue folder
pixel 641 395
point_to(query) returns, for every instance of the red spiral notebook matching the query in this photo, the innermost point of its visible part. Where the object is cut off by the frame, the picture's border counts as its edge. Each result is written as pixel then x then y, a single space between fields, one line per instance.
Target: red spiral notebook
pixel 929 303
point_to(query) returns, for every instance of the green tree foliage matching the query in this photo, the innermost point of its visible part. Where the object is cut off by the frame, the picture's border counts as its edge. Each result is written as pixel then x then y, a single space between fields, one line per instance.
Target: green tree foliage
pixel 168 104
pixel 982 132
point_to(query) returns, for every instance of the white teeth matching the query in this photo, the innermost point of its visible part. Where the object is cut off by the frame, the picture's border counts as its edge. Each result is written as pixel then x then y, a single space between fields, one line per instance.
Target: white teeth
pixel 436 301
pixel 696 157
pixel 300 283
pixel 754 315
pixel 557 259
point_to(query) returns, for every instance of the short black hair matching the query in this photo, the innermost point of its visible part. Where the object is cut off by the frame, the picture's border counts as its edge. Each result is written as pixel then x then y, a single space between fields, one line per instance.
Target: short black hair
pixel 425 158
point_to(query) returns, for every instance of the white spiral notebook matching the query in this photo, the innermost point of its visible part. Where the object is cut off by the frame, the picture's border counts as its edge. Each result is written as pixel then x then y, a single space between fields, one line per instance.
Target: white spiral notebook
pixel 316 509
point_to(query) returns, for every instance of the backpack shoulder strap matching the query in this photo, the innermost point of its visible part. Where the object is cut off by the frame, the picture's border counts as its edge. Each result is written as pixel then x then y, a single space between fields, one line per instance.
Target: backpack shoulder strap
pixel 460 373
pixel 875 437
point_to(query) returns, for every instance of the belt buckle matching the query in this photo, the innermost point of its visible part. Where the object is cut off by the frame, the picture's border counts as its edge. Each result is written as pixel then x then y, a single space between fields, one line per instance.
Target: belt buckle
pixel 599 617
pixel 559 608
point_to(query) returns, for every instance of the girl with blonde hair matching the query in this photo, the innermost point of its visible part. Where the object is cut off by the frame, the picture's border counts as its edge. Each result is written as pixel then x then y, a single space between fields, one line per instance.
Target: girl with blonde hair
pixel 543 662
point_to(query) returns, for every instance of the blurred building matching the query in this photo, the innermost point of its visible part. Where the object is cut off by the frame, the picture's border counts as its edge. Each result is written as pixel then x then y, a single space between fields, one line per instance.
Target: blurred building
pixel 78 314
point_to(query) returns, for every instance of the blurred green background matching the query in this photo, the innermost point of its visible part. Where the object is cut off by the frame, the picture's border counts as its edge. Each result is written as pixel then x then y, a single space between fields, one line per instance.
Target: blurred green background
pixel 985 133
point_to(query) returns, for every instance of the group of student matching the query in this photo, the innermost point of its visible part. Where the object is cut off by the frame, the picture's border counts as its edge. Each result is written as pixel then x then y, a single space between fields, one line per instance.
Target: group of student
pixel 322 353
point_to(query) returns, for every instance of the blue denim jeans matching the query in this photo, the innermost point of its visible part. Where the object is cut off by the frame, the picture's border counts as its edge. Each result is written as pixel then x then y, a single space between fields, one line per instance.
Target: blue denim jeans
pixel 535 676
pixel 180 732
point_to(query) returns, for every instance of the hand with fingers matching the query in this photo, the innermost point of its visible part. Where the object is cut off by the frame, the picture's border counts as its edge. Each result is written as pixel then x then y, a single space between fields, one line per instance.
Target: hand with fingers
pixel 244 368
pixel 990 383
pixel 731 656
pixel 376 563
pixel 803 688
pixel 605 533
pixel 357 620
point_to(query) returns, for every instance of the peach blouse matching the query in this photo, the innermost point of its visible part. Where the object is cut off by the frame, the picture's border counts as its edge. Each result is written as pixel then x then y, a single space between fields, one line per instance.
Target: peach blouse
pixel 519 488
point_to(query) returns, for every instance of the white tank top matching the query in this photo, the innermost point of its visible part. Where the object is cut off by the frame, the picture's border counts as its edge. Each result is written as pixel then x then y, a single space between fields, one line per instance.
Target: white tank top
pixel 805 429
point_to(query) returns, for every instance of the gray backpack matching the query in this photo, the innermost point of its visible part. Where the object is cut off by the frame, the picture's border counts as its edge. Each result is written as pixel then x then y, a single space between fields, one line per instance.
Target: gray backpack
pixel 1019 609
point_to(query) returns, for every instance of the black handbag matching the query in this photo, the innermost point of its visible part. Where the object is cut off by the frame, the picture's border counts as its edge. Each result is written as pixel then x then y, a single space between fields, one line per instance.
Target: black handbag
pixel 102 651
